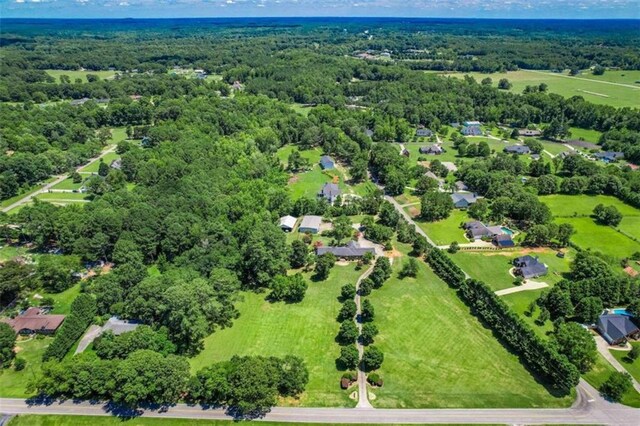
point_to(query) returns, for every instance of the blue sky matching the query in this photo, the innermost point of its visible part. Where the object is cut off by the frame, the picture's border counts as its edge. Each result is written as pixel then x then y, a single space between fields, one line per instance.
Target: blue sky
pixel 585 9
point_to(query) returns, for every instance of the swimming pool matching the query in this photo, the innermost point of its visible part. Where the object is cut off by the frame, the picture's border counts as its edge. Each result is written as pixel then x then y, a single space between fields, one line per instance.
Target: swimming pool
pixel 507 230
pixel 622 312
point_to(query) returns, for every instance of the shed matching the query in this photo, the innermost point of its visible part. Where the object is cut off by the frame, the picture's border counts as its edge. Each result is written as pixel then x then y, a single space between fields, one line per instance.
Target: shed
pixel 287 223
pixel 310 224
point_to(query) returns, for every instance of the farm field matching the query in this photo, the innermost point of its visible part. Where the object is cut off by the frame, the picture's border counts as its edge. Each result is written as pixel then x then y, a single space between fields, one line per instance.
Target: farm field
pixel 632 367
pixel 13 384
pixel 453 362
pixel 306 329
pixel 600 373
pixel 443 232
pixel 73 74
pixel 592 89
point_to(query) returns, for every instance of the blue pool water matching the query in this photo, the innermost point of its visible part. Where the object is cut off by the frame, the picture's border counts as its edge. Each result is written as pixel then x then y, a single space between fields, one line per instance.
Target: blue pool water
pixel 622 312
pixel 507 230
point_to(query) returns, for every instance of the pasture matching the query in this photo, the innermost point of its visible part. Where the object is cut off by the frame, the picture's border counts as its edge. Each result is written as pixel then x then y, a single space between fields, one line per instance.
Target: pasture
pixel 438 355
pixel 602 238
pixel 595 89
pixel 74 74
pixel 305 329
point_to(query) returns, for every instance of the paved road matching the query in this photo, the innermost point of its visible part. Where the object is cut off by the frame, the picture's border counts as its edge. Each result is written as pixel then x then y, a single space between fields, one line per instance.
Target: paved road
pixel 589 408
pixel 57 180
pixel 603 348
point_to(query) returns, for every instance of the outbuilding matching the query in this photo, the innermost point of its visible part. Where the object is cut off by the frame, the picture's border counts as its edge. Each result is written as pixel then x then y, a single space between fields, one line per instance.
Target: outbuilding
pixel 288 223
pixel 310 224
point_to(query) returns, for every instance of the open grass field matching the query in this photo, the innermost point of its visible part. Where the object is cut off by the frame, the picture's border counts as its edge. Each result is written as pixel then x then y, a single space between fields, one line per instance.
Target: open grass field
pixel 632 367
pixel 104 75
pixel 438 355
pixel 595 89
pixel 583 205
pixel 600 373
pixel 553 148
pixel 450 154
pixel 67 184
pixel 8 252
pixel 13 384
pixel 306 329
pixel 63 196
pixel 519 302
pixel 57 420
pixel 93 168
pixel 62 300
pixel 588 135
pixel 313 155
pixel 630 225
pixel 602 238
pixel 444 232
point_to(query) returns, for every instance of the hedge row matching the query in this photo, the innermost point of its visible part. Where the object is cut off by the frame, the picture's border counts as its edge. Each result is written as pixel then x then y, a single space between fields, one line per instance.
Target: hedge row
pixel 536 353
pixel 83 311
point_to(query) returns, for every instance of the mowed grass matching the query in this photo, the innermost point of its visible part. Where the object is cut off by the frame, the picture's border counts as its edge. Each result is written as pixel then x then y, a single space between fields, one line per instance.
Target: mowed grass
pixel 58 420
pixel 601 372
pixel 633 367
pixel 519 303
pixel 14 384
pixel 583 205
pixel 313 155
pixel 68 184
pixel 61 301
pixel 554 148
pixel 443 232
pixel 590 235
pixel 591 88
pixel 438 355
pixel 306 329
pixel 588 135
pixel 79 74
pixel 63 196
pixel 93 167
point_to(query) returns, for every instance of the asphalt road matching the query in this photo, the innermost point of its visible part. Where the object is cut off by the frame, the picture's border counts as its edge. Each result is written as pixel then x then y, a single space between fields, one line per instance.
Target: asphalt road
pixel 589 408
pixel 58 179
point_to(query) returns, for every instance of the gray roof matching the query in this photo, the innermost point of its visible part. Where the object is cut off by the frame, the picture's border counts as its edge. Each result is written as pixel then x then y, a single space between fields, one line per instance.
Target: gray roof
pixel 327 162
pixel 471 131
pixel 503 240
pixel 616 327
pixel 116 164
pixel 525 260
pixel 529 132
pixel 424 132
pixel 330 191
pixel 529 266
pixel 118 326
pixel 288 222
pixel 312 222
pixel 352 249
pixel 609 155
pixel 432 149
pixel 469 197
pixel 461 185
pixel 517 149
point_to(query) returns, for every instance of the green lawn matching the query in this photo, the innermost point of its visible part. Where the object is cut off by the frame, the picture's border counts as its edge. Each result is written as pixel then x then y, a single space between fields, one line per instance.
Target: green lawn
pixel 631 226
pixel 8 252
pixel 438 355
pixel 80 74
pixel 492 268
pixel 301 109
pixel 624 77
pixel 63 197
pixel 587 134
pixel 118 134
pixel 306 329
pixel 62 301
pixel 67 184
pixel 583 205
pixel 444 232
pixel 600 373
pixel 58 420
pixel 450 154
pixel 20 196
pixel 313 155
pixel 554 148
pixel 519 303
pixel 632 367
pixel 603 238
pixel 93 167
pixel 593 89
pixel 308 184
pixel 13 384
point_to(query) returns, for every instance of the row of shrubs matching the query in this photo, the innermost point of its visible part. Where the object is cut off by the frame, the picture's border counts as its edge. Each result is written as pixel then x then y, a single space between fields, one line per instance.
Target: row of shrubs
pixel 541 357
pixel 83 311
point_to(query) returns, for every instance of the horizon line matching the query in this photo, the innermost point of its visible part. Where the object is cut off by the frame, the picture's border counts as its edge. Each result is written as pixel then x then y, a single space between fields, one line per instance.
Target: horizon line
pixel 315 16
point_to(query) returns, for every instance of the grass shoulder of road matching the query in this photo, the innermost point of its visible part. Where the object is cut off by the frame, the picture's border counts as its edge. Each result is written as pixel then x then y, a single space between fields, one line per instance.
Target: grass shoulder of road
pixel 7 202
pixel 438 355
pixel 306 329
pixel 601 372
pixel 58 420
pixel 632 366
pixel 595 89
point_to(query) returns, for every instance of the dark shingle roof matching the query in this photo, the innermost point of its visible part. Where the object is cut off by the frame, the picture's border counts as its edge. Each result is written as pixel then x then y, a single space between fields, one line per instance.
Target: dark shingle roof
pixel 329 192
pixel 352 249
pixel 615 327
